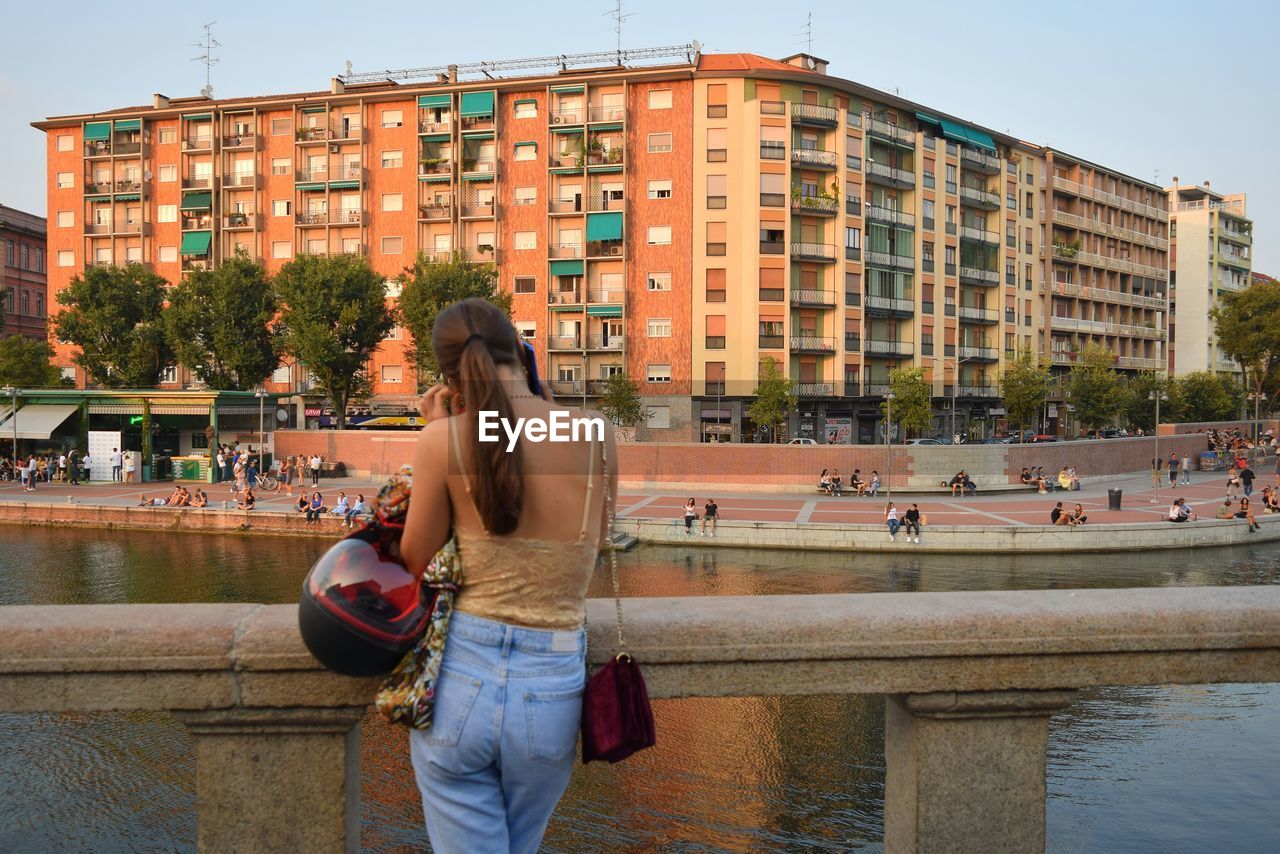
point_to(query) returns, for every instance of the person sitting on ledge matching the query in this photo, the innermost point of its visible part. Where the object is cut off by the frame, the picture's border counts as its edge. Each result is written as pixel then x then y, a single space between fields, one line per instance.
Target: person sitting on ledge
pixel 1270 500
pixel 301 504
pixel 957 484
pixel 1225 511
pixel 837 483
pixel 1056 514
pixel 856 482
pixel 200 499
pixel 1246 512
pixel 315 507
pixel 1077 516
pixel 824 482
pixel 873 488
pixel 1044 479
pixel 249 501
pixel 182 499
pixel 970 488
pixel 1180 512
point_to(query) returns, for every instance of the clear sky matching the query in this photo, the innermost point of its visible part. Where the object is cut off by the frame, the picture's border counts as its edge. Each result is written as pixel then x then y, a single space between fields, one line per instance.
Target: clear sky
pixel 1180 87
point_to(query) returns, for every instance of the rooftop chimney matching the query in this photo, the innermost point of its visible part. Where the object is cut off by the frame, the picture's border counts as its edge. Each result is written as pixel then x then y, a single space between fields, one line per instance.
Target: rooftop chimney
pixel 453 74
pixel 1206 185
pixel 336 86
pixel 159 101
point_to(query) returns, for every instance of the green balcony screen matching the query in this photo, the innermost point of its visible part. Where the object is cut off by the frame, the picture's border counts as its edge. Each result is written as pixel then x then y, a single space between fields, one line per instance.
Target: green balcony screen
pixel 197 201
pixel 605 226
pixel 433 100
pixel 97 131
pixel 196 242
pixel 129 124
pixel 566 268
pixel 477 104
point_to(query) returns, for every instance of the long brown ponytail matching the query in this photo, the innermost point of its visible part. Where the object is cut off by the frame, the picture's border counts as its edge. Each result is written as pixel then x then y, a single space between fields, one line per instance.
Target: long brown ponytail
pixel 471 338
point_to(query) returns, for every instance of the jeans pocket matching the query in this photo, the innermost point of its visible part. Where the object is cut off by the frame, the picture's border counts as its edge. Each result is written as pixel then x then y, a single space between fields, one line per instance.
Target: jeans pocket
pixel 553 718
pixel 455 695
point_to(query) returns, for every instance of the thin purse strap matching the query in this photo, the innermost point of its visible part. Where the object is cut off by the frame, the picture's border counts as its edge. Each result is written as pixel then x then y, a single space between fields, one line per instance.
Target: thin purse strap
pixel 613 549
pixel 462 469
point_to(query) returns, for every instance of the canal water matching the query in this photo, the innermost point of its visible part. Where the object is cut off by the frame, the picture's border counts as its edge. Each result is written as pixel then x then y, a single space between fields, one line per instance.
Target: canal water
pixel 1169 769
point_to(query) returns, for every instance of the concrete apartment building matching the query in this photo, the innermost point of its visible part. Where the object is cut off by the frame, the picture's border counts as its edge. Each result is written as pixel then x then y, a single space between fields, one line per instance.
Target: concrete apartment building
pixel 675 222
pixel 22 272
pixel 1212 239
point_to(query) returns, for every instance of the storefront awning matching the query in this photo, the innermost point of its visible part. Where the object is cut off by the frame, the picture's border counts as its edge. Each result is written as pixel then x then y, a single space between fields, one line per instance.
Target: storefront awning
pixel 38 420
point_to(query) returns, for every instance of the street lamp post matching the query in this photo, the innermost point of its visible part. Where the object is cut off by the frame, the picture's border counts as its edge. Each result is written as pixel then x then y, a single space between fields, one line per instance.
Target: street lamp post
pixel 1257 400
pixel 12 391
pixel 888 437
pixel 1157 396
pixel 261 394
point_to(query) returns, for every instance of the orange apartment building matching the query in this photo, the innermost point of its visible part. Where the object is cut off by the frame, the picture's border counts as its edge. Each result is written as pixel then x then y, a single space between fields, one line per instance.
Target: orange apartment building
pixel 674 222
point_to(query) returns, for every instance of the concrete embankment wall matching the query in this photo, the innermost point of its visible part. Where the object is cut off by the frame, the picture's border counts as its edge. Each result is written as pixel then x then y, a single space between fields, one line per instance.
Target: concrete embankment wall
pixel 785 468
pixel 165 519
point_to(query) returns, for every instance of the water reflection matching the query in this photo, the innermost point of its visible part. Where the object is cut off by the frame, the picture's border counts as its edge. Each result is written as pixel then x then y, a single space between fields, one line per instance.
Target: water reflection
pixel 1174 768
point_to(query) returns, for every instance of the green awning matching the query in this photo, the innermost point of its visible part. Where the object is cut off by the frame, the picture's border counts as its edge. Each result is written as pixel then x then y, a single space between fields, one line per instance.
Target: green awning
pixel 476 104
pixel 526 143
pixel 477 134
pixel 567 268
pixel 197 201
pixel 129 197
pixel 575 89
pixel 604 311
pixel 520 101
pixel 566 170
pixel 97 131
pixel 928 119
pixel 196 243
pixel 310 110
pixel 439 178
pixel 129 124
pixel 344 185
pixel 478 176
pixel 309 188
pixel 982 139
pixel 953 131
pixel 564 307
pixel 597 169
pixel 567 129
pixel 606 126
pixel 434 100
pixel 435 137
pixel 198 117
pixel 604 226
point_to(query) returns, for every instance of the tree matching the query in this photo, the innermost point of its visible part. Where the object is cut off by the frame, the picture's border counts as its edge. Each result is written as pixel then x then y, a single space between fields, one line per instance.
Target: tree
pixel 218 324
pixel 1140 403
pixel 113 314
pixel 1024 384
pixel 429 287
pixel 1095 388
pixel 1247 324
pixel 1204 396
pixel 775 397
pixel 912 400
pixel 25 363
pixel 333 318
pixel 621 404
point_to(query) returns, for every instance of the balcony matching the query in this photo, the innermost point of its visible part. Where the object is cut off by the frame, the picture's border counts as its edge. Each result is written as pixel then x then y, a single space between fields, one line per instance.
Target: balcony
pixel 1233 259
pixel 239 140
pixel 1068 186
pixel 318 173
pixel 852 342
pixel 201 182
pixel 567 387
pixel 193 264
pixel 812 158
pixel 343 131
pixel 890 176
pixel 879 213
pixel 893 306
pixel 240 221
pixel 476 124
pixel 240 179
pixel 979 235
pixel 978 276
pixel 1138 363
pixel 310 135
pixel 979 161
pixel 566 206
pixel 311 218
pixel 853 206
pixel 564 297
pixel 974 314
pixel 475 209
pixel 568 116
pixel 97 148
pixel 126 149
pixel 565 250
pixel 978 354
pixel 192 143
pixel 1120 265
pixel 564 342
pixel 598 200
pixel 347 216
pixel 892 133
pixel 607 343
pixel 605 249
pixel 1243 237
pixel 613 156
pixel 93 188
pixel 346 172
pixel 435 211
pixel 811 251
pixel 474 166
pixel 606 114
pixel 429 126
pixel 608 296
pixel 812 114
pixel 435 166
pixel 888 347
pixel 565 160
pixel 890 259
pixel 976 197
pixel 812 344
pixel 203 222
pixel 977 391
pixel 819 299
pixel 815 389
pixel 876 389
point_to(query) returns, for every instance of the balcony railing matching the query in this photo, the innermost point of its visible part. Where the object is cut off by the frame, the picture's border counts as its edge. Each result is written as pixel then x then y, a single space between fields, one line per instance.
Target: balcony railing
pixel 977 391
pixel 606 114
pixel 977 276
pixel 1069 186
pixel 203 182
pixel 239 140
pixel 123 149
pixel 893 305
pixel 883 347
pixel 605 249
pixel 1098 227
pixel 240 179
pixel 311 134
pixel 1140 363
pixel 978 354
pixel 852 342
pixel 892 175
pixel 568 116
pixel 434 127
pixel 812 344
pixel 319 173
pixel 1108 295
pixel 478 208
pixel 814 114
pixel 433 211
pixel 564 297
pixel 614 156
pixel 346 172
pixel 813 251
pixel 239 220
pixel 346 130
pixel 435 166
pixel 565 250
pixel 564 342
pixel 815 158
pixel 95 187
pixel 194 143
pixel 347 216
pixel 567 387
pixel 852 388
pixel 974 196
pixel 771 342
pixel 312 218
pixel 816 389
pixel 802 296
pixel 891 216
pixel 197 223
pixel 981 235
pixel 972 158
pixel 97 148
pixel 979 315
pixel 610 296
pixel 190 265
pixel 476 166
pixel 610 343
pixel 889 259
pixel 891 132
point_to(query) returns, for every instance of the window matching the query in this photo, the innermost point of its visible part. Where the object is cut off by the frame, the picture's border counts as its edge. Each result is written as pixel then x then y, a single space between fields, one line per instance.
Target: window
pixel 526 240
pixel 392 373
pixel 526 195
pixel 25 264
pixel 168 174
pixel 392 118
pixel 773 190
pixel 659 189
pixel 853 238
pixel 166 213
pixel 715 284
pixel 658 143
pixel 526 151
pixel 39 305
pixel 716 241
pixel 527 329
pixel 66 142
pixel 281 207
pixel 951 178
pixel 168 254
pixel 281 249
pixel 392 202
pixel 773 143
pixel 926 212
pixel 659 235
pixel 717 145
pixel 392 159
pixel 66 219
pixel 168 136
pixel 39 268
pixel 526 284
pixel 526 109
pixel 67 180
pixel 66 258
pixel 658 373
pixel 659 99
pixel 392 245
pixel 659 281
pixel 659 327
pixel 717 192
pixel 717 100
pixel 169 374
pixel 281 127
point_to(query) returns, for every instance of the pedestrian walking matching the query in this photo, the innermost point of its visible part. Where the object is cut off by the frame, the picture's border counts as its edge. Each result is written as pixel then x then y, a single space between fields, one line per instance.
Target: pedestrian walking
pixel 1157 472
pixel 1246 478
pixel 1174 464
pixel 62 467
pixel 316 460
pixel 117 467
pixel 286 475
pixel 891 519
pixel 1186 469
pixel 31 474
pixel 73 466
pixel 86 462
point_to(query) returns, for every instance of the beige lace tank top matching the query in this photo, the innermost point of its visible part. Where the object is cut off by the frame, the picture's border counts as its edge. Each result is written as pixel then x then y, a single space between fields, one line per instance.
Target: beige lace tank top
pixel 524 581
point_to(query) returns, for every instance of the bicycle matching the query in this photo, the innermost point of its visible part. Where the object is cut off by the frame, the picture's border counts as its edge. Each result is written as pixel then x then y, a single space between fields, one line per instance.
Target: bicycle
pixel 266 482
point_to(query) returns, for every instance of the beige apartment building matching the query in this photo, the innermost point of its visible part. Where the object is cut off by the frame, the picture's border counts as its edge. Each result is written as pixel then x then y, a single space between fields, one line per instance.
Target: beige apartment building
pixel 1212 239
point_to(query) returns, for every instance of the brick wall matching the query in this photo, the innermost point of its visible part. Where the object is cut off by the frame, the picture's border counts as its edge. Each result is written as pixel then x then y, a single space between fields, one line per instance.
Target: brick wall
pixel 1245 427
pixel 1102 456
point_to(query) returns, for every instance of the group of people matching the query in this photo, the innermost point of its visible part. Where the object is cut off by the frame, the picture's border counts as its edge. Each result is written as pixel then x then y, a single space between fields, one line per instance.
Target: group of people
pixel 293 470
pixel 912 520
pixel 1074 516
pixel 709 516
pixel 1068 478
pixel 68 467
pixel 961 484
pixel 179 497
pixel 832 482
pixel 314 507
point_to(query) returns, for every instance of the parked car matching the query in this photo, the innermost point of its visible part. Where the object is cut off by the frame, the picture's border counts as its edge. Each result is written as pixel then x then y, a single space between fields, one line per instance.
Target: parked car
pixel 923 442
pixel 1043 437
pixel 802 442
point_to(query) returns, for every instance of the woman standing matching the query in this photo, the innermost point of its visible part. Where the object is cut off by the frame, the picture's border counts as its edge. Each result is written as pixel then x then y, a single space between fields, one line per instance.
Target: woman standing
pixel 509 699
pixel 286 475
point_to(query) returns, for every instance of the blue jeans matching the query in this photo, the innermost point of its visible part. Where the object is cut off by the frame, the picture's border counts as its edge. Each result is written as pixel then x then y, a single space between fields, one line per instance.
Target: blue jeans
pixel 500 750
pixel 894 525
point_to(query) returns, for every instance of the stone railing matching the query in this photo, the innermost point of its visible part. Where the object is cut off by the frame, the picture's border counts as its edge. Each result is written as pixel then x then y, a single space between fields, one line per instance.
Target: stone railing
pixel 971 678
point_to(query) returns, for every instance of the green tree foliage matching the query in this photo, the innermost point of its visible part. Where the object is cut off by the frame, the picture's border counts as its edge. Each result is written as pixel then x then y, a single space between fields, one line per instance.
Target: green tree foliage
pixel 1247 323
pixel 218 323
pixel 113 315
pixel 1096 390
pixel 429 287
pixel 26 363
pixel 1204 396
pixel 1140 405
pixel 1024 384
pixel 621 404
pixel 912 400
pixel 334 316
pixel 774 398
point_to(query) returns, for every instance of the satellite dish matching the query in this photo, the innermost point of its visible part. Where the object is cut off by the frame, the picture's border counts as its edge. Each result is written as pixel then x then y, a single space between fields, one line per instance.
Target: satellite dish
pixel 348 68
pixel 810 63
pixel 696 45
pixel 206 92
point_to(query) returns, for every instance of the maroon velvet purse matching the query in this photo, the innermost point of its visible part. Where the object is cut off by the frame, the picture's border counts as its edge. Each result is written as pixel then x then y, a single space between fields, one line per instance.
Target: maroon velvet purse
pixel 617 720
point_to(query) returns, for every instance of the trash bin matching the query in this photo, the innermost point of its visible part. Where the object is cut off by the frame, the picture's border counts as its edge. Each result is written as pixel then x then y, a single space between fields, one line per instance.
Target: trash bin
pixel 1113 498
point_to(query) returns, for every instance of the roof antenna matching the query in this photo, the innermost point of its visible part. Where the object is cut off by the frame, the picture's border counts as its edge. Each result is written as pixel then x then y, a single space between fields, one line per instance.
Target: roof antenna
pixel 808 34
pixel 618 20
pixel 207 57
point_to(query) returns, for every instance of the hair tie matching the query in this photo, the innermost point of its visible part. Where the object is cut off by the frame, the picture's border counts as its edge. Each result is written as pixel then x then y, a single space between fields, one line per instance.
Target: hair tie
pixel 475 336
